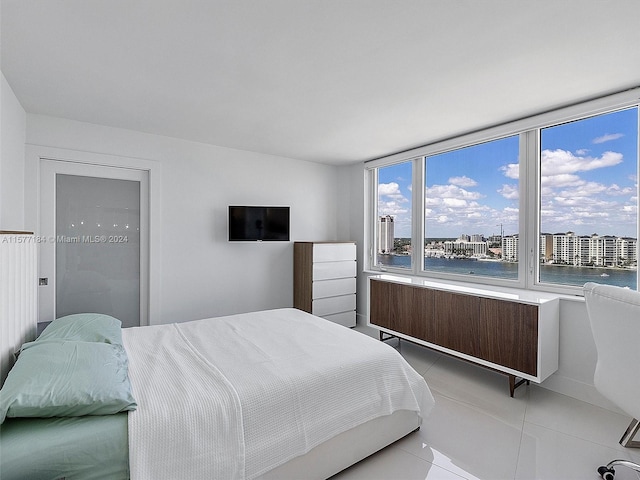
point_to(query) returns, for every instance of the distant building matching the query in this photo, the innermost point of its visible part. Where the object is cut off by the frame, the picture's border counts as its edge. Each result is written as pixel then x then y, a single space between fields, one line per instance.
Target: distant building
pixel 595 250
pixel 546 247
pixel 466 245
pixel 510 248
pixel 627 249
pixel 495 241
pixel 564 247
pixel 386 235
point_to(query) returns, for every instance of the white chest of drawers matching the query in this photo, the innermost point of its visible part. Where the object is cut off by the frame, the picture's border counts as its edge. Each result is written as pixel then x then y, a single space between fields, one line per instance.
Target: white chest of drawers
pixel 324 280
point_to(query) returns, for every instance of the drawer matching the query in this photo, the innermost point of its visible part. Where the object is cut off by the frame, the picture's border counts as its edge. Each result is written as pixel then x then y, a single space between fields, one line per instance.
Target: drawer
pixel 327 306
pixel 333 288
pixel 333 252
pixel 329 270
pixel 348 319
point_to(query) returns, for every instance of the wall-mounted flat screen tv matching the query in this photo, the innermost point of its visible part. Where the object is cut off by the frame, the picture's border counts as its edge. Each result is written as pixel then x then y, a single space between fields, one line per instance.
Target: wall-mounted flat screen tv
pixel 258 224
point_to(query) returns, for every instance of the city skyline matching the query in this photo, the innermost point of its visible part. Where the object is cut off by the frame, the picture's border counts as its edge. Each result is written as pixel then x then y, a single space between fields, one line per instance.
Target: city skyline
pixel 588 183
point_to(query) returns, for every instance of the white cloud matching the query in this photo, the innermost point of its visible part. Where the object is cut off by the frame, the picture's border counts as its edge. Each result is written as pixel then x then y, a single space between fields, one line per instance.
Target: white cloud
pixel 568 200
pixel 565 201
pixel 560 180
pixel 585 189
pixel 392 202
pixel 510 192
pixel 432 202
pixel 555 162
pixel 455 207
pixel 558 167
pixel 463 181
pixel 615 190
pixel 391 190
pixel 511 170
pixel 451 191
pixel 455 202
pixel 392 208
pixel 608 137
pixel 584 208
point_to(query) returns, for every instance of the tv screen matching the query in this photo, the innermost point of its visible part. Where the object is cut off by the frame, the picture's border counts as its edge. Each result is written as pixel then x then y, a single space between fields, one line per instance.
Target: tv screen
pixel 255 224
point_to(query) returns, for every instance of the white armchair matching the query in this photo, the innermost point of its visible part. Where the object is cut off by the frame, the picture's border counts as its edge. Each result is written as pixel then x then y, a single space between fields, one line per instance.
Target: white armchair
pixel 614 313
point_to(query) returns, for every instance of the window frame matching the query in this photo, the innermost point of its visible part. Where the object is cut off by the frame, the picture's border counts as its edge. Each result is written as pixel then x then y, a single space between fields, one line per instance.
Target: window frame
pixel 372 215
pixel 528 129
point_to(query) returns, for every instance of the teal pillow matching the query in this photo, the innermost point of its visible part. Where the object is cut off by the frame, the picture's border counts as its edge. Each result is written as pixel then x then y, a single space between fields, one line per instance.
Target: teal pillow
pixel 84 327
pixel 67 379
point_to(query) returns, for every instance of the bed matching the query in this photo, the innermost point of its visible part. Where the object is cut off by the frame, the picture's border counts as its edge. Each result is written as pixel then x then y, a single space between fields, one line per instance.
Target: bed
pixel 274 394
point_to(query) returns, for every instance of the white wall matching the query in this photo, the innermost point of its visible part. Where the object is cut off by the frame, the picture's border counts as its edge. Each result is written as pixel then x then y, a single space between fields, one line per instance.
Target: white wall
pixel 12 138
pixel 203 275
pixel 351 225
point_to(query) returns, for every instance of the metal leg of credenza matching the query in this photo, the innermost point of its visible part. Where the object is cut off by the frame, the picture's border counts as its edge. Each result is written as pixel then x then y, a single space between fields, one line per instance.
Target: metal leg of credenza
pixel 513 384
pixel 388 337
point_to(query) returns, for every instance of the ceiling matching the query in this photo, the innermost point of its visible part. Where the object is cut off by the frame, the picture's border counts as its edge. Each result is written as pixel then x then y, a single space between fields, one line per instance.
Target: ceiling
pixel 330 81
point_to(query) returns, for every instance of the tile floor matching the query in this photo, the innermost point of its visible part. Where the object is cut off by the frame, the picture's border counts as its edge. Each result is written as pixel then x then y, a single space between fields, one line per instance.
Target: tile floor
pixel 476 431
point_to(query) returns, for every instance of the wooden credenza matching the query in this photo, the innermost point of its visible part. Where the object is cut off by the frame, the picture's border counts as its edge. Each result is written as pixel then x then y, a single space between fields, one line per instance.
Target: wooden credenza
pixel 324 280
pixel 509 330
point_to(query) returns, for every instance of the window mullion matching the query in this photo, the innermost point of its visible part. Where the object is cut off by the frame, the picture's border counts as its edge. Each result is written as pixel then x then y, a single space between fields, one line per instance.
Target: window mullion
pixel 417 198
pixel 529 208
pixel 371 214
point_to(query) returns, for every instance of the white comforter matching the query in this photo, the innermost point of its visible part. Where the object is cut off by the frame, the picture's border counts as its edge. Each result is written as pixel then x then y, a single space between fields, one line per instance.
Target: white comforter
pixel 234 397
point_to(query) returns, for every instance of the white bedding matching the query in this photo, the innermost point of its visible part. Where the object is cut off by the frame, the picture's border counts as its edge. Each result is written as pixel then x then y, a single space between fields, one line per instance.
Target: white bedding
pixel 234 397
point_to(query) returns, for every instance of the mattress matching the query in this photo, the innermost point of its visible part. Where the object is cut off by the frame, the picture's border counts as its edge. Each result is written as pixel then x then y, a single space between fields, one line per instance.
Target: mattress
pixel 82 448
pixel 289 381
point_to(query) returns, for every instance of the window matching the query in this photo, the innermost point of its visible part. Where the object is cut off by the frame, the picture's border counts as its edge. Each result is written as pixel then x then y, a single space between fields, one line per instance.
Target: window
pixel 589 200
pixel 548 202
pixel 471 210
pixel 393 219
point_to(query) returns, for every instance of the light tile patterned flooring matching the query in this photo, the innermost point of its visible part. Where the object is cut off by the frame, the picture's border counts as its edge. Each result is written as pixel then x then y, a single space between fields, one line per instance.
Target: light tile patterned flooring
pixel 476 431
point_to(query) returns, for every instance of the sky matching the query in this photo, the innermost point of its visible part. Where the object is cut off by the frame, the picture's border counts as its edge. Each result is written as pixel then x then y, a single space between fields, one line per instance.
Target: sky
pixel 588 180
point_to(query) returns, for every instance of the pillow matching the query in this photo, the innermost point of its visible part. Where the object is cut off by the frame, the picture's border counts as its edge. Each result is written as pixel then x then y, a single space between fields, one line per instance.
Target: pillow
pixel 67 379
pixel 84 327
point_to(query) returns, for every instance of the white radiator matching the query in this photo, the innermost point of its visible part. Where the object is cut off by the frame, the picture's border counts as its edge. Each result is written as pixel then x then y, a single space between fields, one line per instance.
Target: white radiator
pixel 18 295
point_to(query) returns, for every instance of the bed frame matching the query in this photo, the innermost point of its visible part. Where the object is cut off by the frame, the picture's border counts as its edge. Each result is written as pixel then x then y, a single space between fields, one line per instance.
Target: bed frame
pixel 347 448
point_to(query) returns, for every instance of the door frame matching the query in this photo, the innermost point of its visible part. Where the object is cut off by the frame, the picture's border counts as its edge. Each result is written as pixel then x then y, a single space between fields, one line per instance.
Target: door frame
pixel 35 155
